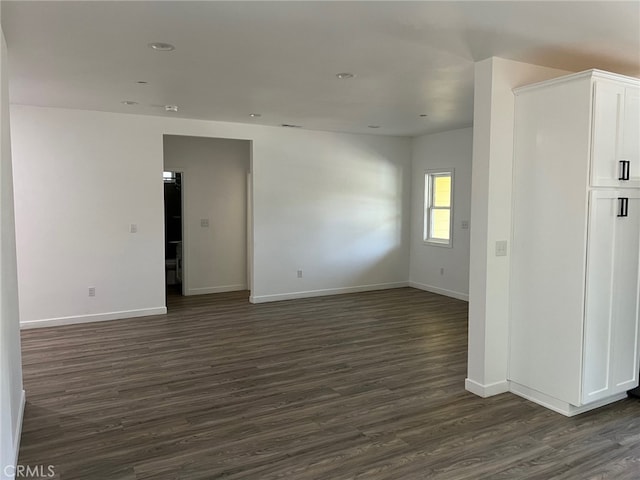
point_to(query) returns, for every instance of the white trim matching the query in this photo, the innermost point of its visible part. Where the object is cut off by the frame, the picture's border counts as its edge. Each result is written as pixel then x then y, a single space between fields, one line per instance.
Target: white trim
pixel 440 291
pixel 488 390
pixel 598 74
pixel 249 219
pixel 328 291
pixel 426 206
pixel 94 317
pixel 18 432
pixel 221 289
pixel 560 406
pixel 433 243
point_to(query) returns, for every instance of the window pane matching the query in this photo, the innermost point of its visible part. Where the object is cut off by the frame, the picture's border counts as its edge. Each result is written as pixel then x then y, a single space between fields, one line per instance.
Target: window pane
pixel 442 191
pixel 440 224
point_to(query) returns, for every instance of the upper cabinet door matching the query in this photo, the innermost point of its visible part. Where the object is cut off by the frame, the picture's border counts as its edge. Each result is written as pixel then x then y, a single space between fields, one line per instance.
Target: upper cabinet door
pixel 615 155
pixel 630 141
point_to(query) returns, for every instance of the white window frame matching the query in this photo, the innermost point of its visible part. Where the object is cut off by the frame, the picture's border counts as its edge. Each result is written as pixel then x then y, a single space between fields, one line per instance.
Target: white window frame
pixel 429 175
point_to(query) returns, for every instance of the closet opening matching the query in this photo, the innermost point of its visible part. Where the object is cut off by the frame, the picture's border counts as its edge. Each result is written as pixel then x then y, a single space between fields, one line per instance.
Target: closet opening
pixel 173 263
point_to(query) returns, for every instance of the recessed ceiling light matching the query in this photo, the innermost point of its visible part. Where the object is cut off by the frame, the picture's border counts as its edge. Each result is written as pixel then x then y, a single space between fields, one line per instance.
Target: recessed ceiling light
pixel 171 108
pixel 373 126
pixel 161 47
pixel 344 75
pixel 288 125
pixel 129 102
pixel 255 115
pixel 423 115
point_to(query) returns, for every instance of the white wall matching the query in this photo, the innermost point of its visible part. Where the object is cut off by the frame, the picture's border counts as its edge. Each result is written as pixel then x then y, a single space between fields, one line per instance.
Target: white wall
pixel 335 205
pixel 495 78
pixel 81 179
pixel 11 393
pixel 214 188
pixel 446 150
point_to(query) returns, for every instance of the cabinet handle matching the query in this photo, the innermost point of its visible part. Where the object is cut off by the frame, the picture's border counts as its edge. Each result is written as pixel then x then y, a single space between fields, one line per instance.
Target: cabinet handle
pixel 624 170
pixel 623 206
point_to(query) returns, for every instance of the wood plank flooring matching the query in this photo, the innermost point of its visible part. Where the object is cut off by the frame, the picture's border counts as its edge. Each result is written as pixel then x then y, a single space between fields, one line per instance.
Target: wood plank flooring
pixel 362 386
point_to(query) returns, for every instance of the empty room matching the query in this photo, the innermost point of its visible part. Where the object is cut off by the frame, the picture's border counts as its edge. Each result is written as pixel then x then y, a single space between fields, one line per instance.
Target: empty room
pixel 319 240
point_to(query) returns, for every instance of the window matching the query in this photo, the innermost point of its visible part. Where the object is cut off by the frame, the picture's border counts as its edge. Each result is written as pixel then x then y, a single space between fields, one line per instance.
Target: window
pixel 438 205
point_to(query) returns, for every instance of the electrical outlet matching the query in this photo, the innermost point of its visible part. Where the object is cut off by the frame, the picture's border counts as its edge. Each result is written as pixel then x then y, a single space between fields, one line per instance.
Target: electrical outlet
pixel 92 291
pixel 464 225
pixel 299 273
pixel 133 228
pixel 204 223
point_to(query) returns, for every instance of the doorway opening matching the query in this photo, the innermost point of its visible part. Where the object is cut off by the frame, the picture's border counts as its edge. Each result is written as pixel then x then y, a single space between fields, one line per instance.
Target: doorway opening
pixel 213 254
pixel 173 263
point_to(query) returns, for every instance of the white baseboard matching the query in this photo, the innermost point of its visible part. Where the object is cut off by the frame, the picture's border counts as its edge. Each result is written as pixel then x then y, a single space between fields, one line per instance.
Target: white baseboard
pixel 560 406
pixel 18 431
pixel 222 289
pixel 440 291
pixel 329 291
pixel 488 390
pixel 94 317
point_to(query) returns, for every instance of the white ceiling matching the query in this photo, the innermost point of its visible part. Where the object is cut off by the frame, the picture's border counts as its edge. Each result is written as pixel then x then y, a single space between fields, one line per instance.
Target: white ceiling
pixel 280 58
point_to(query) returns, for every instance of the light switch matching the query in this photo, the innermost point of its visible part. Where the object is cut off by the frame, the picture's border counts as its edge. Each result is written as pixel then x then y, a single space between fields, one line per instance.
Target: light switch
pixel 133 228
pixel 204 223
pixel 501 248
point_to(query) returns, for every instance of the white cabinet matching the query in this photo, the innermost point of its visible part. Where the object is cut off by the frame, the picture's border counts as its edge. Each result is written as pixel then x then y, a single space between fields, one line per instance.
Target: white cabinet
pixel 575 257
pixel 612 294
pixel 616 135
pixel 630 144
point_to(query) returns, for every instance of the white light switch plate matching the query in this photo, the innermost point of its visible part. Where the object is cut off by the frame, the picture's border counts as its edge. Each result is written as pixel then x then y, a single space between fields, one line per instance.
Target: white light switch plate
pixel 501 248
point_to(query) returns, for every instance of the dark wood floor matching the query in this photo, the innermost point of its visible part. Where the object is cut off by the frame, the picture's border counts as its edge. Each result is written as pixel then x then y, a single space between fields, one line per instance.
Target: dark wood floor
pixel 367 386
